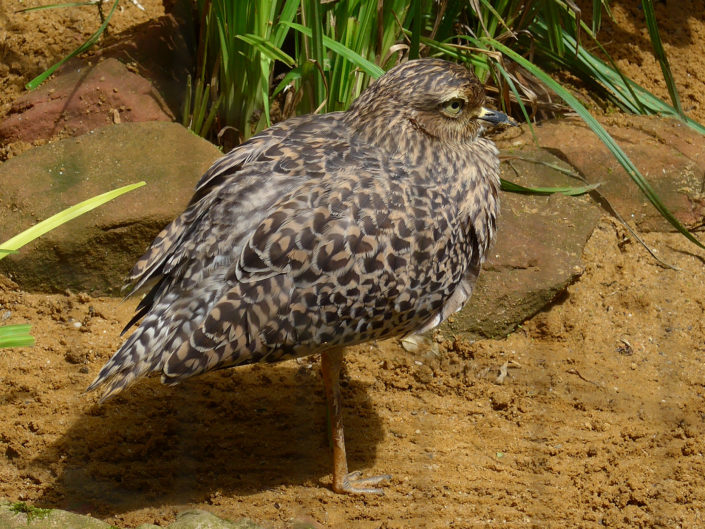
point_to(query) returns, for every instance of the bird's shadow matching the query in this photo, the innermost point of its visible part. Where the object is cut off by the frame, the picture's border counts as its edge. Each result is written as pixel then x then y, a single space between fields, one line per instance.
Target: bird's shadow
pixel 235 432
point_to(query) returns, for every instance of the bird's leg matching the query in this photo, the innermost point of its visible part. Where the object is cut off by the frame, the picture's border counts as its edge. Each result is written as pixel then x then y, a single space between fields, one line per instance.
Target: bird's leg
pixel 342 480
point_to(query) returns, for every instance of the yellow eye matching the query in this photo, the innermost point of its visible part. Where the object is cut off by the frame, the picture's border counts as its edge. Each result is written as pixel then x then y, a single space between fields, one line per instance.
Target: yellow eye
pixel 453 107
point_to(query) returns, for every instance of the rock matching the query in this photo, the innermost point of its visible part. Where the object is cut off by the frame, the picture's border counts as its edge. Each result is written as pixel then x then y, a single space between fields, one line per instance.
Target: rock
pixel 537 254
pixel 83 99
pixel 108 86
pixel 19 515
pixel 161 50
pixel 198 519
pixel 669 154
pixel 540 239
pixel 94 252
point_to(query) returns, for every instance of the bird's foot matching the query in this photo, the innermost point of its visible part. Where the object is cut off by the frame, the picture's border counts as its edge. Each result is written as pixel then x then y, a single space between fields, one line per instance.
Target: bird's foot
pixel 354 483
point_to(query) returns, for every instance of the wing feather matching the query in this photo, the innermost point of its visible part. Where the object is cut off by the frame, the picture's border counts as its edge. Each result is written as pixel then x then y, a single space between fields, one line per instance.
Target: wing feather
pixel 337 262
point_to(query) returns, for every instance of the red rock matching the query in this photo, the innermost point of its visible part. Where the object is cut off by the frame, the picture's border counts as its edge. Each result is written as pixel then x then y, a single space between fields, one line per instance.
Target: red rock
pixel 81 100
pixel 668 153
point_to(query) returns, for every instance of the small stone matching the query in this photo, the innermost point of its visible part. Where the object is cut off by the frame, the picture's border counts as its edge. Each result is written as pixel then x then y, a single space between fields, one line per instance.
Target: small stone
pixel 423 374
pixel 73 358
pixel 83 297
pixel 499 400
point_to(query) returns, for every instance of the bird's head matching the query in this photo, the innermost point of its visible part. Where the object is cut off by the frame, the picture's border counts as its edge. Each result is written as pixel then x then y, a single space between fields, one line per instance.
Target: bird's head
pixel 437 98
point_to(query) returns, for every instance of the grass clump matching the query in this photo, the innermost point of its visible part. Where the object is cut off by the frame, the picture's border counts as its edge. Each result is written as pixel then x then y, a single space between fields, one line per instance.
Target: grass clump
pixel 32 512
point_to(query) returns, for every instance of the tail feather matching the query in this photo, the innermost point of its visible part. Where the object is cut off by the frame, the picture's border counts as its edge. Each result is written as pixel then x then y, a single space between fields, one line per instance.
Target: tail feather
pixel 244 326
pixel 169 323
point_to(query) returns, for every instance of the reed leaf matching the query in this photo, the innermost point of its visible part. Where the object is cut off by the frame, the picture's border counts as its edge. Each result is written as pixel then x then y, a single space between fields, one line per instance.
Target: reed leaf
pixel 15 336
pixel 660 53
pixel 27 236
pixel 507 185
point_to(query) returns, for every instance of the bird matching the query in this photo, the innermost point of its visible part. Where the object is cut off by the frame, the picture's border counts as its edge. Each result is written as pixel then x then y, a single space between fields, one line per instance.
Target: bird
pixel 322 232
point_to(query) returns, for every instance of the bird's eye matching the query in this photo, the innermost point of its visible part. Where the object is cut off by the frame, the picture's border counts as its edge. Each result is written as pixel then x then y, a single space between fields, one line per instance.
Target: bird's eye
pixel 453 107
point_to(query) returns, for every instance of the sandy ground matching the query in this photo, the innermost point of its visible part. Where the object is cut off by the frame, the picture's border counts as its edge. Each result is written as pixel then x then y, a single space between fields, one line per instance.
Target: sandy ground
pixel 599 421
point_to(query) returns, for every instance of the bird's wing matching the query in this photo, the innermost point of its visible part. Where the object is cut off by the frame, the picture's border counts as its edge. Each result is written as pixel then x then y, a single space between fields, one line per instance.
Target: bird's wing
pixel 362 254
pixel 171 246
pixel 190 258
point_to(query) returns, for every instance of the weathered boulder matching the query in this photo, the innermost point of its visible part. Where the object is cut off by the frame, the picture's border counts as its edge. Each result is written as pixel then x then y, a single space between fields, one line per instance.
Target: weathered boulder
pixel 85 98
pixel 139 75
pixel 540 239
pixel 19 515
pixel 539 244
pixel 198 519
pixel 161 50
pixel 669 154
pixel 95 251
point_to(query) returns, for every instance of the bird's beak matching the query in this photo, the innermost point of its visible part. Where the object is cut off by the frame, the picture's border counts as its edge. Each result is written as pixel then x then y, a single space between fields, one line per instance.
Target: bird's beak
pixel 496 117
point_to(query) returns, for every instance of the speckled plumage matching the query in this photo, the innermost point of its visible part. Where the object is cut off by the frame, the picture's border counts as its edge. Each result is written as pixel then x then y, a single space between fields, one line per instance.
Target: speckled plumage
pixel 323 231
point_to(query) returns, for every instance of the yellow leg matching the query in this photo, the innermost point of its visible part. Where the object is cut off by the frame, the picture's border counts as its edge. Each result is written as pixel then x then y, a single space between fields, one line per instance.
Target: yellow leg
pixel 343 481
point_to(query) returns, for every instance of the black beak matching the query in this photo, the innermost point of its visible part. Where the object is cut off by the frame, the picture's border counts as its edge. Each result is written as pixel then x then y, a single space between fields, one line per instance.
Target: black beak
pixel 496 117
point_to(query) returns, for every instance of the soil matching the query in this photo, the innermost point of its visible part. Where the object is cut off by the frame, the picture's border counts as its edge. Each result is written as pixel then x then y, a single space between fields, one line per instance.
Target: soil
pixel 589 415
pixel 599 421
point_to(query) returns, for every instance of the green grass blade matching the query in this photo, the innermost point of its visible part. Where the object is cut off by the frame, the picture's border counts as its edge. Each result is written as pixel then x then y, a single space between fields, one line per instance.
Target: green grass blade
pixel 287 14
pixel 660 53
pixel 292 75
pixel 555 28
pixel 315 24
pixel 366 66
pixel 186 109
pixel 27 236
pixel 601 133
pixel 34 83
pixel 15 336
pixel 596 15
pixel 513 88
pixel 267 48
pixel 496 19
pixel 570 191
pixel 211 117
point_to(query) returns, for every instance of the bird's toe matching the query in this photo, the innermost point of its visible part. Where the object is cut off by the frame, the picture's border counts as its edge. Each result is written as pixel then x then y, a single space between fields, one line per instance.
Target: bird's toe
pixel 354 483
